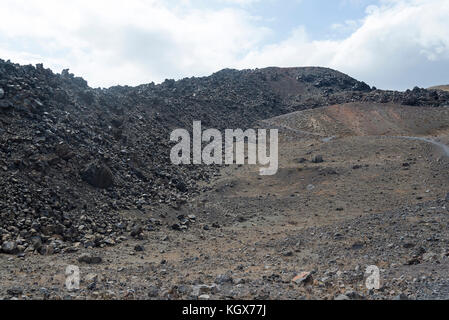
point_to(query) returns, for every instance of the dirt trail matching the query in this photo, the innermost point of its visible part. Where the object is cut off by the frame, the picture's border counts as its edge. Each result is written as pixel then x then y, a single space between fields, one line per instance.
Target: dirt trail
pixel 441 145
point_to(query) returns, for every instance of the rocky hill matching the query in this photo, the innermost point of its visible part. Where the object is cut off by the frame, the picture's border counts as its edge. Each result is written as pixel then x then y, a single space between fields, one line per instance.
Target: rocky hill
pixel 73 158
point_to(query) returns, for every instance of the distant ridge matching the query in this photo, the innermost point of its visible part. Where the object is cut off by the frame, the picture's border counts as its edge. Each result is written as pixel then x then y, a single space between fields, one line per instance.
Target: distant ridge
pixel 442 87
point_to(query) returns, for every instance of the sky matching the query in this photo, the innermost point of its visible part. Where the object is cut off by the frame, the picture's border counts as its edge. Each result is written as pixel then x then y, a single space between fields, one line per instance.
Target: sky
pixel 390 44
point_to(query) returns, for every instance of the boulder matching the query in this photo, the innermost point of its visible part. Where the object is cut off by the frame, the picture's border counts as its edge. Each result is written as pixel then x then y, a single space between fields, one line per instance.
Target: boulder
pixel 98 176
pixel 9 247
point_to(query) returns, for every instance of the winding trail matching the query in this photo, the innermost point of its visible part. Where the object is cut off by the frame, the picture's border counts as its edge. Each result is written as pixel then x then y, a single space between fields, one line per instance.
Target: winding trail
pixel 441 145
pixel 301 132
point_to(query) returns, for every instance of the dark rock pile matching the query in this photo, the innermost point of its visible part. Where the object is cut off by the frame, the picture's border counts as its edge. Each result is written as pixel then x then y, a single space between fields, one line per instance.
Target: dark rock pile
pixel 73 157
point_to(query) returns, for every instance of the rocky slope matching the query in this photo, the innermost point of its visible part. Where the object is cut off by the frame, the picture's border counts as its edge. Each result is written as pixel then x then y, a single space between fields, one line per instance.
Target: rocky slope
pixel 74 161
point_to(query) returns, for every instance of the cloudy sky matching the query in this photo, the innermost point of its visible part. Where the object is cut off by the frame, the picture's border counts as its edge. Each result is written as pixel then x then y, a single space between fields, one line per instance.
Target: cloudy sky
pixel 391 44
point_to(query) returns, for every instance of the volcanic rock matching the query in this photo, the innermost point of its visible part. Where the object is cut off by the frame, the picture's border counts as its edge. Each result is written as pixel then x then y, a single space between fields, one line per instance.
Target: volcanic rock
pixel 98 175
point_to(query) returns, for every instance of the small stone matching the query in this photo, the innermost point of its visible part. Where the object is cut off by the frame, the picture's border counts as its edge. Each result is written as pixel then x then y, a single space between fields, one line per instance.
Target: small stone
pixel 342 297
pixel 2 93
pixel 223 278
pixel 353 295
pixel 136 230
pixel 92 277
pixel 357 245
pixel 15 291
pixel 413 261
pixel 201 289
pixel 338 236
pixel 310 187
pixel 401 296
pixel 9 247
pixel 90 259
pixel 36 242
pixel 71 249
pixel 46 250
pixel 288 253
pixel 430 256
pixel 139 248
pixel 44 292
pixel 109 242
pixel 241 219
pixel 204 297
pixel 181 186
pixel 303 278
pixel 153 292
pixel 108 295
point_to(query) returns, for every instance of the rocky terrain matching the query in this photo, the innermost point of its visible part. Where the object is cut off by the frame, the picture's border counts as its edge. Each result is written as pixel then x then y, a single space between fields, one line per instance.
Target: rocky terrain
pixel 86 179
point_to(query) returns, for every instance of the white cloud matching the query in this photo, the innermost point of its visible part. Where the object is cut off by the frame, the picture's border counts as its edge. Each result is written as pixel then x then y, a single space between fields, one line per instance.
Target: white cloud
pixel 347 26
pixel 399 44
pixel 240 2
pixel 130 42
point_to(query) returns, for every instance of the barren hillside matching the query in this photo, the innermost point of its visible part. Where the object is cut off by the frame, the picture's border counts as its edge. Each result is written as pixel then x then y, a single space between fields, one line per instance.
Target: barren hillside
pixel 362 119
